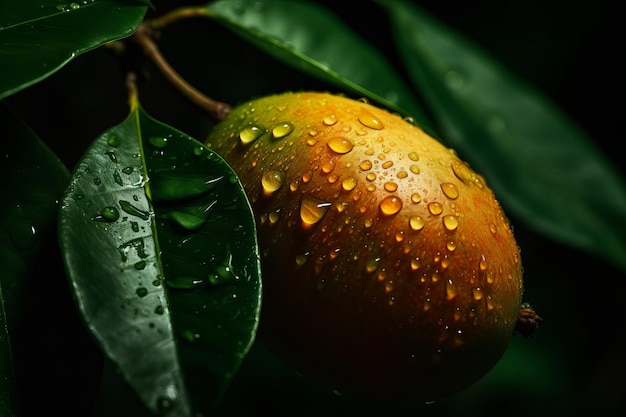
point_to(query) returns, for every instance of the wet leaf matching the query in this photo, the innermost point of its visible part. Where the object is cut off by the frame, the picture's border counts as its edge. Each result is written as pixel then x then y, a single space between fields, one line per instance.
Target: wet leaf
pixel 327 49
pixel 33 181
pixel 37 39
pixel 160 246
pixel 541 165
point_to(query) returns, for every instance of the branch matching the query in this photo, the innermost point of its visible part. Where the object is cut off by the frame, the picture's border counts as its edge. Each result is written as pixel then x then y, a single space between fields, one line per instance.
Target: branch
pixel 143 37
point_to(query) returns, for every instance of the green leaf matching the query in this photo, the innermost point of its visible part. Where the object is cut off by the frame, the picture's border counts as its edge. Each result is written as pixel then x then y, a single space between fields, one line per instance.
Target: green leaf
pixel 541 165
pixel 160 246
pixel 37 39
pixel 33 181
pixel 310 38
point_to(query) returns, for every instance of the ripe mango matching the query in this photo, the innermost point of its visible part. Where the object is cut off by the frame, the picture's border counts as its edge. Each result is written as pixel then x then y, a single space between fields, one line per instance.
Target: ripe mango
pixel 389 268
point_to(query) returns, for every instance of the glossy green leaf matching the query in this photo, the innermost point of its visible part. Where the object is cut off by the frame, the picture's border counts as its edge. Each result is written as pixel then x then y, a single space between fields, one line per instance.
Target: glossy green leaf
pixel 160 246
pixel 38 38
pixel 310 38
pixel 543 168
pixel 33 181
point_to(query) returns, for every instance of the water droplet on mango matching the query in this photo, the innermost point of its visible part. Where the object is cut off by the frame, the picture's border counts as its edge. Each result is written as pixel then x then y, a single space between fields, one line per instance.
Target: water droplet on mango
pixel 348 184
pixel 435 208
pixel 340 145
pixel 416 223
pixel 330 119
pixel 390 205
pixel 450 222
pixel 450 190
pixel 312 210
pixel 251 133
pixel 369 120
pixel 272 181
pixel 282 130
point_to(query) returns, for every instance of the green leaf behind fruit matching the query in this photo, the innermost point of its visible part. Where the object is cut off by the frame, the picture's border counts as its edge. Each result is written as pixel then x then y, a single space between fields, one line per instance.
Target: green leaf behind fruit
pixel 545 170
pixel 310 38
pixel 37 39
pixel 160 246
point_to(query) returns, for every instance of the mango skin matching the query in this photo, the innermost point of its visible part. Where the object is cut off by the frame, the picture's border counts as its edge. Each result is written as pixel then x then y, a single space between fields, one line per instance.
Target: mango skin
pixel 389 269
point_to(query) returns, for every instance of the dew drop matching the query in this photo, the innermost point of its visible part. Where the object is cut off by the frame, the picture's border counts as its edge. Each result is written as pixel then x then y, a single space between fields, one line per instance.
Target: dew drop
pixel 416 223
pixel 493 229
pixel 327 167
pixel 435 208
pixel 282 130
pixel 140 265
pixel 387 164
pixel 114 141
pixel 348 184
pixel 365 165
pixel 141 291
pixel 372 265
pixel 445 262
pixel 250 133
pixel 371 176
pixel 108 214
pixel 451 291
pixel 415 264
pixel 274 216
pixel 158 141
pixel 482 264
pixel 416 198
pixel 134 211
pixel 160 310
pixel 117 178
pixel 390 205
pixel 183 283
pixel 112 156
pixel 390 186
pixel 402 174
pixel 477 293
pixel 312 210
pixel 450 222
pixel 465 174
pixel 301 259
pixel 272 181
pixel 306 177
pixel 340 145
pixel 415 169
pixel 451 246
pixel 369 120
pixel 413 156
pixel 330 119
pixel 450 190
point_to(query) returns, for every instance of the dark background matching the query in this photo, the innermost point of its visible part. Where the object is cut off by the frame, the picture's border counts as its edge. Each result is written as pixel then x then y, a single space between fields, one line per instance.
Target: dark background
pixel 572 51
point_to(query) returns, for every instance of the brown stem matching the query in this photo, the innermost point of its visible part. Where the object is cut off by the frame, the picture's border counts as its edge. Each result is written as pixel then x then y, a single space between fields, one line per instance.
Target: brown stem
pixel 143 37
pixel 175 15
pixel 528 321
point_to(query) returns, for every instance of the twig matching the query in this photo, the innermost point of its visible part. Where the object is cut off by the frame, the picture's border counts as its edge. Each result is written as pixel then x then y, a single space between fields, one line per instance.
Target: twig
pixel 173 16
pixel 143 37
